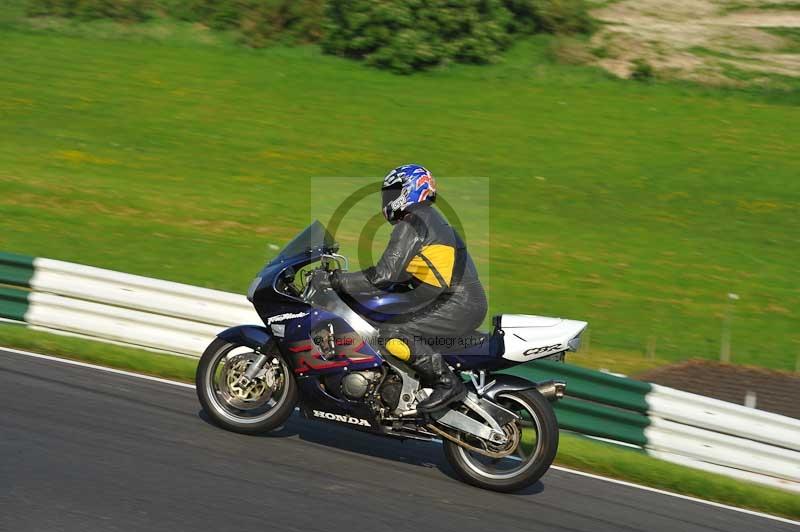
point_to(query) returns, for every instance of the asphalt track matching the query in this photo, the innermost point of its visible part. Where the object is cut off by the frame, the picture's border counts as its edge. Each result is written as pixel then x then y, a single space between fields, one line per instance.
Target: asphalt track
pixel 85 450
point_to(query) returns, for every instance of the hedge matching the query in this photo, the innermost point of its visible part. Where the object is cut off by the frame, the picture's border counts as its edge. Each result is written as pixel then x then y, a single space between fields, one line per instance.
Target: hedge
pixel 400 35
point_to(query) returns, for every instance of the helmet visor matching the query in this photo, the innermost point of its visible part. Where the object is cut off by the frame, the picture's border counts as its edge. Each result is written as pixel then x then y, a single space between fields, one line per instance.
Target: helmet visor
pixel 388 195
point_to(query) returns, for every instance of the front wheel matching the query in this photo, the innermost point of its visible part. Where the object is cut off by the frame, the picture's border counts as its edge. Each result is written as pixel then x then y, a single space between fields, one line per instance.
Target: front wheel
pixel 536 435
pixel 258 406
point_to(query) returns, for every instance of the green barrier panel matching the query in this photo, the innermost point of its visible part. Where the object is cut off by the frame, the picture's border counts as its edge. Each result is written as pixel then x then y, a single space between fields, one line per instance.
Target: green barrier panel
pixel 16 269
pixel 13 304
pixel 588 384
pixel 603 421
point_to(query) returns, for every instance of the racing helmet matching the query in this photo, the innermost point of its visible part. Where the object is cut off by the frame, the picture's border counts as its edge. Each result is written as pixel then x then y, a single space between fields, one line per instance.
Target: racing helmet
pixel 405 186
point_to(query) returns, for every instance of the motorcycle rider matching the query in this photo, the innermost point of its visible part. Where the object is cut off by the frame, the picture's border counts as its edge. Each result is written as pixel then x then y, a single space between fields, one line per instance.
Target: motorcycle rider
pixel 426 259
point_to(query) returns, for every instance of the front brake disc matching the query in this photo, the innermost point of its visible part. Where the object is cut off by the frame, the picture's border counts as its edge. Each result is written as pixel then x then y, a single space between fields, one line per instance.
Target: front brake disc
pixel 243 396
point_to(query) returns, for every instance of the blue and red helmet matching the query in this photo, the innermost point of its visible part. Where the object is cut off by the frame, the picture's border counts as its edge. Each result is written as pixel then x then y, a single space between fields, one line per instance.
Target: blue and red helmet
pixel 405 186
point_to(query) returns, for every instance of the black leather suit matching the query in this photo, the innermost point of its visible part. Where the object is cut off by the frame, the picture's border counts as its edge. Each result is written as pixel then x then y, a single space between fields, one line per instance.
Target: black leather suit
pixel 427 259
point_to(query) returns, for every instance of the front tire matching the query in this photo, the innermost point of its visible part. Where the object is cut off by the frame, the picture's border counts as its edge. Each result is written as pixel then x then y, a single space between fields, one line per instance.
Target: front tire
pixel 259 408
pixel 535 451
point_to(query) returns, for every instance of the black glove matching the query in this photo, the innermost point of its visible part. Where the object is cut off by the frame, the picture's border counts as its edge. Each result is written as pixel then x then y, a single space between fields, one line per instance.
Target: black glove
pixel 320 281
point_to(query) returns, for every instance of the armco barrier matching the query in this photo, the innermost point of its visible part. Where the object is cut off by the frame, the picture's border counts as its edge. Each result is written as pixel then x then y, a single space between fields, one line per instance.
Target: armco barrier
pixel 15 269
pixel 706 433
pixel 597 404
pixel 723 417
pixel 173 317
pixel 593 385
pixel 723 450
pixel 115 306
pixel 139 328
pixel 602 421
pixel 141 293
pixel 13 304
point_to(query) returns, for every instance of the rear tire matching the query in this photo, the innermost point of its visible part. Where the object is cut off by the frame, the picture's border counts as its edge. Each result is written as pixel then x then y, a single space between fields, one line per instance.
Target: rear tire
pixel 470 469
pixel 221 410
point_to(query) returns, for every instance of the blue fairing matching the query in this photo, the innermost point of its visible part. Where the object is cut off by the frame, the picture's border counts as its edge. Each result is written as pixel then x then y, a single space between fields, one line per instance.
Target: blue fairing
pixel 385 306
pixel 353 353
pixel 253 336
pixel 478 351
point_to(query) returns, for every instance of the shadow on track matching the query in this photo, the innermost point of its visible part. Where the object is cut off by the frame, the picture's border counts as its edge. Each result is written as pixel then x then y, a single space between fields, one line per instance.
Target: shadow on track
pixel 412 452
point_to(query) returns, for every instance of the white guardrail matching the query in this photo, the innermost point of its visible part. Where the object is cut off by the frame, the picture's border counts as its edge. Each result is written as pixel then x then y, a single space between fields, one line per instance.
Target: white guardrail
pixel 723 437
pixel 130 309
pixel 724 417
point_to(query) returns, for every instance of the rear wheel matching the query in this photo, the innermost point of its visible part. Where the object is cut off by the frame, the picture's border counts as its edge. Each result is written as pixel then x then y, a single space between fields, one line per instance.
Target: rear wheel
pixel 535 442
pixel 261 405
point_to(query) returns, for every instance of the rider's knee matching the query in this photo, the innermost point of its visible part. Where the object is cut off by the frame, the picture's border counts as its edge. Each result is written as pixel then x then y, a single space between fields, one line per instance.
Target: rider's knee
pixel 399 348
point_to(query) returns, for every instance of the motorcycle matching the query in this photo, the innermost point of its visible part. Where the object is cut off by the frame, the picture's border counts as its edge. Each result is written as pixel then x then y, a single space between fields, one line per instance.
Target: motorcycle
pixel 321 353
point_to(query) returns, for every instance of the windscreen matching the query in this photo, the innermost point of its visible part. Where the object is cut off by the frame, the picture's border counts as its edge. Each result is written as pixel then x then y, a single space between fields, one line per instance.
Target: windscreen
pixel 312 237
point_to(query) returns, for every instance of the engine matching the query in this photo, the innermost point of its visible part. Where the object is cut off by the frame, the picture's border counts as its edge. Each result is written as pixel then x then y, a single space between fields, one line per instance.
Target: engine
pixel 353 386
pixel 359 384
pixel 356 385
pixel 390 391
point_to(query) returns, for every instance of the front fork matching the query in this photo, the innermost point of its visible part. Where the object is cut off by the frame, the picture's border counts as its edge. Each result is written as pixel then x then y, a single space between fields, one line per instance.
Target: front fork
pixel 247 378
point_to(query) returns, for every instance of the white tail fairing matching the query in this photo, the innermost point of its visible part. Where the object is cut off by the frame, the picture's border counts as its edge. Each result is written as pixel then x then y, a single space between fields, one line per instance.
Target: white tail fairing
pixel 527 337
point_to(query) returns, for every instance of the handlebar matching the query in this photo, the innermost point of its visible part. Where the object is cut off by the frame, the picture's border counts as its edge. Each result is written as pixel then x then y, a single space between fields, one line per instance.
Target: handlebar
pixel 308 290
pixel 326 260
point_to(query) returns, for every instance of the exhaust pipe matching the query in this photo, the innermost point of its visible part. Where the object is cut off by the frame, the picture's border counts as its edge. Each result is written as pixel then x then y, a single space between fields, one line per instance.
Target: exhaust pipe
pixel 552 390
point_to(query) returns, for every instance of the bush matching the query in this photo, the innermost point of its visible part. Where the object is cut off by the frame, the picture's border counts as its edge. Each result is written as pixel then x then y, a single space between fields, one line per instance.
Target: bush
pixel 262 21
pixel 217 14
pixel 259 21
pixel 564 16
pixel 125 10
pixel 400 35
pixel 407 35
pixel 550 16
pixel 642 70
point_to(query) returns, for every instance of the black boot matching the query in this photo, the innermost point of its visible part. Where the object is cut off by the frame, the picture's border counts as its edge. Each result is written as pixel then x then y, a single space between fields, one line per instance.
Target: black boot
pixel 447 387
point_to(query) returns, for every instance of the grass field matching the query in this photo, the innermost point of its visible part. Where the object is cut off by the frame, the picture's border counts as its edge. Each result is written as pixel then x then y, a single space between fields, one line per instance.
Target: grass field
pixel 167 151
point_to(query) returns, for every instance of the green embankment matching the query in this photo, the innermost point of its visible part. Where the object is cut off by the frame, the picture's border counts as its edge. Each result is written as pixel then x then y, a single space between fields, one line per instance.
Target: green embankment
pixel 115 356
pixel 574 451
pixel 169 152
